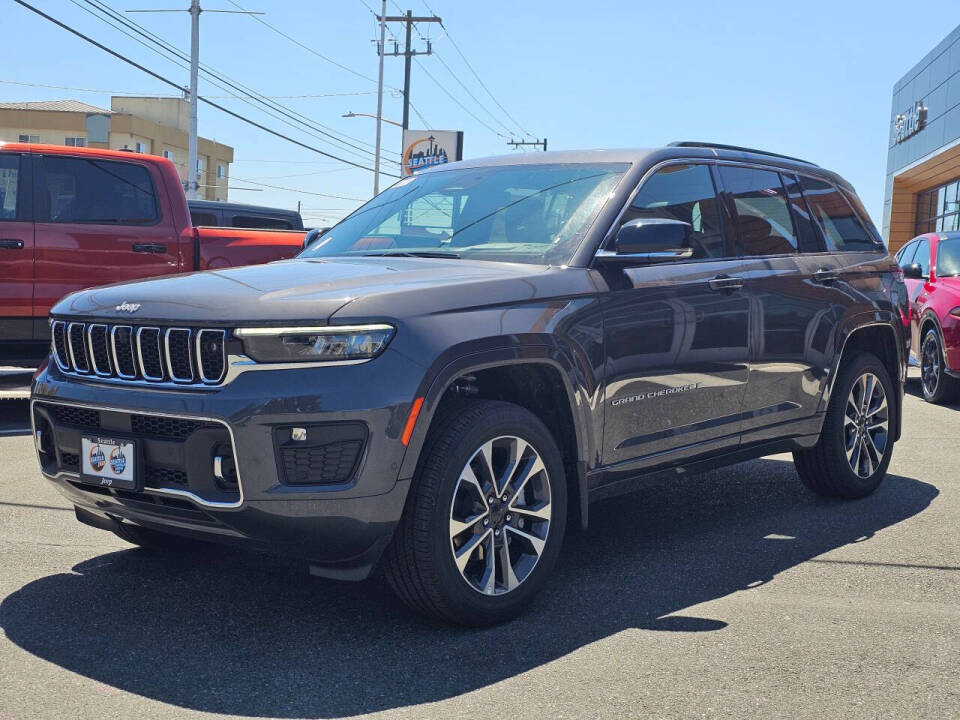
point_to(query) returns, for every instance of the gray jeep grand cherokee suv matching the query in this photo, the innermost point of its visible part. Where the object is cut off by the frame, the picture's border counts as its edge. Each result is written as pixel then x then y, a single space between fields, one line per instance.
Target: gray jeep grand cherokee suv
pixel 444 381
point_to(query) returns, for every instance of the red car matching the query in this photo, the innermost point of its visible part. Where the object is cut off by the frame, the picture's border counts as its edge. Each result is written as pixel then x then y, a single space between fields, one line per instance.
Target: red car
pixel 931 268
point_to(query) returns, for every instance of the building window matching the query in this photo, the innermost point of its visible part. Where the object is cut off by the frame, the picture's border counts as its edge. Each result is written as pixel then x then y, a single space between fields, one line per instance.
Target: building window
pixel 29 139
pixel 141 147
pixel 221 171
pixel 938 210
pixel 75 141
pixel 168 154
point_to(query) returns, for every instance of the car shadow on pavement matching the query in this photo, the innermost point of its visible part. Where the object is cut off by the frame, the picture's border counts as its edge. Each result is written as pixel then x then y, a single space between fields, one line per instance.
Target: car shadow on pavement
pixel 227 632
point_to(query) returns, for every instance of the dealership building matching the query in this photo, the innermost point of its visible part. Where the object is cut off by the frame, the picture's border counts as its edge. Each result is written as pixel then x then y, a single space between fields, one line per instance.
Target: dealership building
pixel 923 156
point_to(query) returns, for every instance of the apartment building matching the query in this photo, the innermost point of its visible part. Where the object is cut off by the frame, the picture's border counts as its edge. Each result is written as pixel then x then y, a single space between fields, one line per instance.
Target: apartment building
pixel 155 125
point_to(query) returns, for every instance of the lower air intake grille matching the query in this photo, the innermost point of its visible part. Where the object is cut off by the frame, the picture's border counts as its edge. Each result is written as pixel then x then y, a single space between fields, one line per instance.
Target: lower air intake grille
pixel 75 416
pixel 325 465
pixel 164 427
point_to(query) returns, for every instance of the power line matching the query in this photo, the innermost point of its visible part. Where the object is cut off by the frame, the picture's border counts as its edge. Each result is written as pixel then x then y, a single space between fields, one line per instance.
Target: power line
pixel 462 106
pixel 171 83
pixel 149 93
pixel 167 47
pixel 289 189
pixel 306 47
pixel 476 75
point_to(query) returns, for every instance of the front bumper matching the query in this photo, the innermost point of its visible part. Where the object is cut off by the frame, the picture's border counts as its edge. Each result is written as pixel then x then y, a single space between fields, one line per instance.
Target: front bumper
pixel 340 525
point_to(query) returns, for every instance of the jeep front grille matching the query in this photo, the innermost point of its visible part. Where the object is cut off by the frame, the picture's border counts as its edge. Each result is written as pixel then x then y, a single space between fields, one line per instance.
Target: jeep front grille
pixel 185 356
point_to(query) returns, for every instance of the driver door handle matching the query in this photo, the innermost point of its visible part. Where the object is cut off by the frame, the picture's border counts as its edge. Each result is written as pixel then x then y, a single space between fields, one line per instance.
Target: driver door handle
pixel 149 248
pixel 11 244
pixel 725 283
pixel 825 276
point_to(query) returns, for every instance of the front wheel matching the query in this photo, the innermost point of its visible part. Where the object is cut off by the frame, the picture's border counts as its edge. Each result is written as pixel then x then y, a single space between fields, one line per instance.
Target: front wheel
pixel 483 525
pixel 853 452
pixel 937 386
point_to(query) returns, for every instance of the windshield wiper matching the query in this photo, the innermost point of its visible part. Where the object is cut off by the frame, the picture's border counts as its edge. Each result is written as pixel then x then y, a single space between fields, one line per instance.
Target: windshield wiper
pixel 414 253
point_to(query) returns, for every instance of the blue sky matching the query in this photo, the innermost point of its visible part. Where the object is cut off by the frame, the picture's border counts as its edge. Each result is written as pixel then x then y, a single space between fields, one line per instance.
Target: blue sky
pixel 809 79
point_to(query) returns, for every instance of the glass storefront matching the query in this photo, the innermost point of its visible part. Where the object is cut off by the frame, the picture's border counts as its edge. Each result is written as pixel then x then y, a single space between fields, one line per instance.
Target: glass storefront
pixel 939 209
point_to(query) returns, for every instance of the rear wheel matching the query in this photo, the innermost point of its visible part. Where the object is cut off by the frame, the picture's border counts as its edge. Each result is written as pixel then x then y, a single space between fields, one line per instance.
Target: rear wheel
pixel 937 386
pixel 853 452
pixel 483 525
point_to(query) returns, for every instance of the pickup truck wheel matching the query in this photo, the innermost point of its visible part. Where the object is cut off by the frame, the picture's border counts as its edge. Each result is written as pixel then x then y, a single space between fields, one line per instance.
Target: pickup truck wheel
pixel 485 518
pixel 937 386
pixel 853 453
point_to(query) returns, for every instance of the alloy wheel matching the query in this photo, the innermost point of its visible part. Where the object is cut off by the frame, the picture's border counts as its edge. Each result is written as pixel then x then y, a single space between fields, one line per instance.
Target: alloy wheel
pixel 865 425
pixel 500 515
pixel 930 365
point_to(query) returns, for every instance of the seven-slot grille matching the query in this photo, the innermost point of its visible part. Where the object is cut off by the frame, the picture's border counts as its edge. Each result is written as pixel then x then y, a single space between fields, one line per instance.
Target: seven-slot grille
pixel 142 353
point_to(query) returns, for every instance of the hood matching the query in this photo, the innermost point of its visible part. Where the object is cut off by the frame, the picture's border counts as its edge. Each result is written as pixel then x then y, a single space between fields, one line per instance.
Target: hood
pixel 304 289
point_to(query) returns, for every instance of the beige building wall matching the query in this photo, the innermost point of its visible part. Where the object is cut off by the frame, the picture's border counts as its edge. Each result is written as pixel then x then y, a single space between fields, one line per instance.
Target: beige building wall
pixel 158 124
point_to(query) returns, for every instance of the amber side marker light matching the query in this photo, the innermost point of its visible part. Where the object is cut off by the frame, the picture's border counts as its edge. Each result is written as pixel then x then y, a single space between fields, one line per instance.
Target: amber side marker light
pixel 411 421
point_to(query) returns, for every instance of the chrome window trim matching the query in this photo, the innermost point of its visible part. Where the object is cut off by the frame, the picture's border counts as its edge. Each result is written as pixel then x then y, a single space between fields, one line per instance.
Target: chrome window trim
pixel 143 370
pixel 65 366
pixel 153 491
pixel 166 349
pixel 91 356
pixel 73 359
pixel 701 161
pixel 223 339
pixel 113 350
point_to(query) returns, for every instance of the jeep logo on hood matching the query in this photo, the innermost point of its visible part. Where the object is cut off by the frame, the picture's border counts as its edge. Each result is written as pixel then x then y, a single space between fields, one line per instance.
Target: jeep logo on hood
pixel 128 307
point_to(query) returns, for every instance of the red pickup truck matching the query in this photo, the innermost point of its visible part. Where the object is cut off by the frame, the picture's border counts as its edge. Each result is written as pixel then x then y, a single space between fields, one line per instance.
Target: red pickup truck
pixel 73 218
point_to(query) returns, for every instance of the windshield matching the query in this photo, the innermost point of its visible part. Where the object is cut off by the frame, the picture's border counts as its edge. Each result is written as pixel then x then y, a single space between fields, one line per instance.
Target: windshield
pixel 948 258
pixel 516 213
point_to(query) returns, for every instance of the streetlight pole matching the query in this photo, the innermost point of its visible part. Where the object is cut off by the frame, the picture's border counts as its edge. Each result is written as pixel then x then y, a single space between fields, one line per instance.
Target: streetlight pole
pixel 380 48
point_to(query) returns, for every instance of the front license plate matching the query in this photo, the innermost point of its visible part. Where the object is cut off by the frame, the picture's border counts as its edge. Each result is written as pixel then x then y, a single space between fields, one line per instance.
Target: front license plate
pixel 108 462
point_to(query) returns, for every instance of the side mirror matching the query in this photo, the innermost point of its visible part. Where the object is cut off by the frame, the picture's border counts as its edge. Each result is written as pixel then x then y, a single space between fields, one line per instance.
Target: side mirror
pixel 652 239
pixel 913 271
pixel 311 236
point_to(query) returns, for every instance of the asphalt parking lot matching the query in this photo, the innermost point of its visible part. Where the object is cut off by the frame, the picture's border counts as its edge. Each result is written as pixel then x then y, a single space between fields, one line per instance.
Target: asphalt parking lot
pixel 732 594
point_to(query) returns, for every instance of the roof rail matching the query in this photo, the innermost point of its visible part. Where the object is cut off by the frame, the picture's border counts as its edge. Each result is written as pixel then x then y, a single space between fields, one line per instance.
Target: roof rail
pixel 737 148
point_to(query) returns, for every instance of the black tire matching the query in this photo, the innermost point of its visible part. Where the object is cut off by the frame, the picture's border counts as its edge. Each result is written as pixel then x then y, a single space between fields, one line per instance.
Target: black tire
pixel 825 468
pixel 937 386
pixel 419 564
pixel 154 540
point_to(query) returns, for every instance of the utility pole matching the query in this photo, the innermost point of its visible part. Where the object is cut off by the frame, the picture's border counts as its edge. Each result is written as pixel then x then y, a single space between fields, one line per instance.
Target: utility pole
pixel 383 37
pixel 192 184
pixel 192 157
pixel 408 52
pixel 521 143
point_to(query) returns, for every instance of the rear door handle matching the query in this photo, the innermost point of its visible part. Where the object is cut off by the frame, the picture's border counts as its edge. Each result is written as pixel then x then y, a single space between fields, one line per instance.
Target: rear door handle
pixel 11 244
pixel 149 248
pixel 825 276
pixel 725 283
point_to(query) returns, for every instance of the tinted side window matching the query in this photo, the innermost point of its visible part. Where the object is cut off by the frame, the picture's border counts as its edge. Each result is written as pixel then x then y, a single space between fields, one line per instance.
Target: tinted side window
pixel 80 190
pixel 205 219
pixel 9 185
pixel 840 225
pixel 905 256
pixel 763 216
pixel 808 239
pixel 686 193
pixel 922 258
pixel 261 222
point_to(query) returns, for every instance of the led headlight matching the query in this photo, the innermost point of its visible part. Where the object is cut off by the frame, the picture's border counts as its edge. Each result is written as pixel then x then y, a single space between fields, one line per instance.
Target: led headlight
pixel 315 344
